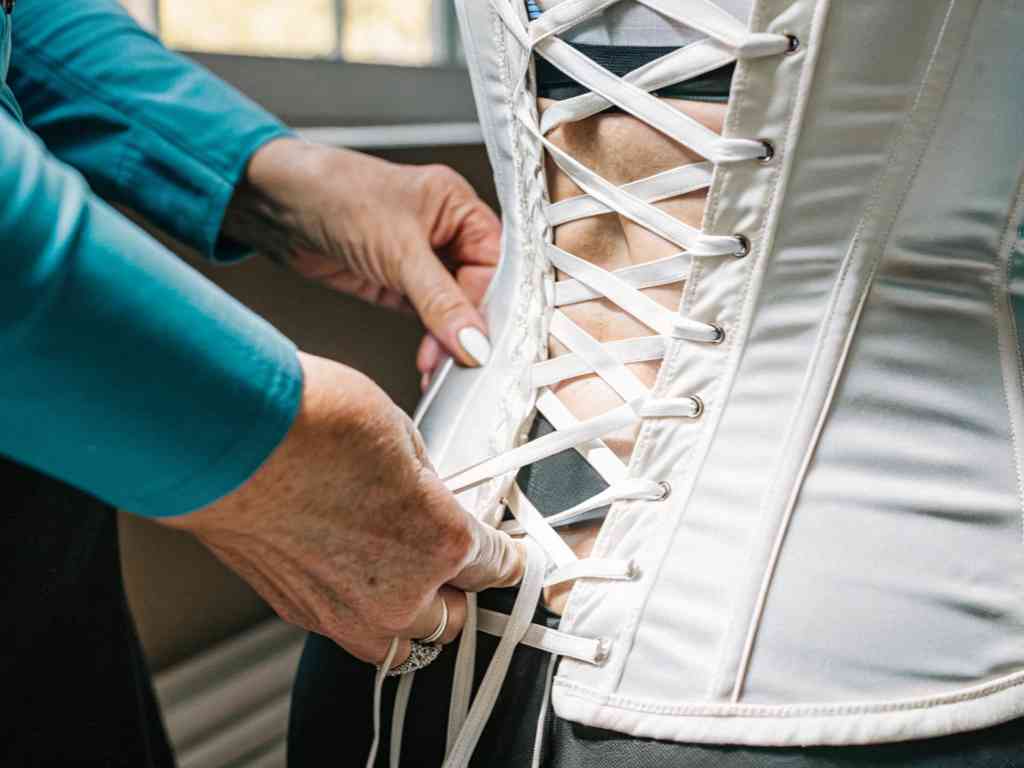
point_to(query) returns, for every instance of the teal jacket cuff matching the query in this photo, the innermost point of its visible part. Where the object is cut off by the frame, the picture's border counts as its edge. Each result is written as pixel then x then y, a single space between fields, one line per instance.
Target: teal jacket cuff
pixel 147 128
pixel 125 373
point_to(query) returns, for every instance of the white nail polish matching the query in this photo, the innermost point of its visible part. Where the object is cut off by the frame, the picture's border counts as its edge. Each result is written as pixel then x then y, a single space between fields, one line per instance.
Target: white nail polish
pixel 475 344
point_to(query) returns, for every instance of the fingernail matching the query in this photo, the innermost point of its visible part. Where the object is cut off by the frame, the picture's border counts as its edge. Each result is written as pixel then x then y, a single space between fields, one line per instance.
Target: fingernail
pixel 424 382
pixel 475 344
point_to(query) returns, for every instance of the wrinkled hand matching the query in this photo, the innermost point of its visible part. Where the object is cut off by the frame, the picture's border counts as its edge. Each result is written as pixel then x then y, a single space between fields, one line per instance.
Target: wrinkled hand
pixel 347 531
pixel 394 235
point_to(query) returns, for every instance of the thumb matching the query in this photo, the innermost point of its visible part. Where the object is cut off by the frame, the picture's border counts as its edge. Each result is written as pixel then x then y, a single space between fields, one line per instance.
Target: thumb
pixel 498 560
pixel 445 309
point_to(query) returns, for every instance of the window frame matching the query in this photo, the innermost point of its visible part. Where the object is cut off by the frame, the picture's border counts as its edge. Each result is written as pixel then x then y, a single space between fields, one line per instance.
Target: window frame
pixel 444 29
pixel 320 93
pixel 330 96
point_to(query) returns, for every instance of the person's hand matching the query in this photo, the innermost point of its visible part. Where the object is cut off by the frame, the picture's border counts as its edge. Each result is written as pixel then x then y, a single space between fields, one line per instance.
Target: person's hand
pixel 394 235
pixel 347 531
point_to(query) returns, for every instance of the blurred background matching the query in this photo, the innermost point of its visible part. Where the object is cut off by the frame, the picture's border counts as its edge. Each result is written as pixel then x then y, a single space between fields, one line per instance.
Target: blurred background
pixel 382 76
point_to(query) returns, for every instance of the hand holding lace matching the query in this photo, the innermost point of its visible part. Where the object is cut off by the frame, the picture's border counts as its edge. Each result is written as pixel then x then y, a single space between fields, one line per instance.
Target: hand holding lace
pixel 400 236
pixel 347 531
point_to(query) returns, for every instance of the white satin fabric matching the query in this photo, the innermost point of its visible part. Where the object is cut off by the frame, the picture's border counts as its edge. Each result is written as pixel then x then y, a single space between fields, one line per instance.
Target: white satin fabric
pixel 841 560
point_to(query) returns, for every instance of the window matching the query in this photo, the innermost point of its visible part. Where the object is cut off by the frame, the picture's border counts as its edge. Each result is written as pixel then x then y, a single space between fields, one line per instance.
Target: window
pixel 407 32
pixel 317 64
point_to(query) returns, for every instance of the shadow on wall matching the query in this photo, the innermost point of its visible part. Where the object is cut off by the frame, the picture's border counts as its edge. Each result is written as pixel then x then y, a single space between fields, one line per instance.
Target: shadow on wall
pixel 182 598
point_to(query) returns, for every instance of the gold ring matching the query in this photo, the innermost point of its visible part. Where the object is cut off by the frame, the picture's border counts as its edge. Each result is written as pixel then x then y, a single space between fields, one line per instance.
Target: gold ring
pixel 442 625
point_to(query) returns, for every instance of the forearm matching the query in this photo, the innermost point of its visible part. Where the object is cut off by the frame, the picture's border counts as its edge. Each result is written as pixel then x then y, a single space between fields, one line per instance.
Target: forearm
pixel 299 198
pixel 307 206
pixel 258 218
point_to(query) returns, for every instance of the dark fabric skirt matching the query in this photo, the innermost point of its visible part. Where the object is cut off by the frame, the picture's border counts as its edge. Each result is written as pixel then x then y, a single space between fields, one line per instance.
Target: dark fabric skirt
pixel 73 678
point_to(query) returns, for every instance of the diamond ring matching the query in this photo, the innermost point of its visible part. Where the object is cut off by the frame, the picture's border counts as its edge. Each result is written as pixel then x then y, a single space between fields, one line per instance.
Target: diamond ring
pixel 421 656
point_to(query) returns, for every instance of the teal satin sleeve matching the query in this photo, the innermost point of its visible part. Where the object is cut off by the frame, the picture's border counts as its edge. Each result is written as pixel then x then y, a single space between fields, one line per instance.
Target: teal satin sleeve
pixel 124 372
pixel 147 127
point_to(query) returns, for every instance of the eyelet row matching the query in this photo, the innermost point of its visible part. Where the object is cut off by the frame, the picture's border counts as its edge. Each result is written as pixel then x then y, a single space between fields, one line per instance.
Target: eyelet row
pixel 666 490
pixel 743 245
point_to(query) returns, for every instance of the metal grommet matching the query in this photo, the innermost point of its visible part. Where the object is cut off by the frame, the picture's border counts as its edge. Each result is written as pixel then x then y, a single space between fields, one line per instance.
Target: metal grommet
pixel 743 249
pixel 769 151
pixel 719 334
pixel 665 485
pixel 794 44
pixel 604 649
pixel 698 407
pixel 633 572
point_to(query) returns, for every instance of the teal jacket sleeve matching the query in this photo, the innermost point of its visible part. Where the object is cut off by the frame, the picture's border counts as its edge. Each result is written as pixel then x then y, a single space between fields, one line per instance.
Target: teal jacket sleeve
pixel 147 128
pixel 124 372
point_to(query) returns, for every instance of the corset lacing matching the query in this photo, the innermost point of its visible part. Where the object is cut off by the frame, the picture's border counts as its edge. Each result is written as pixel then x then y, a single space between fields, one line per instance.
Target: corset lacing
pixel 551 560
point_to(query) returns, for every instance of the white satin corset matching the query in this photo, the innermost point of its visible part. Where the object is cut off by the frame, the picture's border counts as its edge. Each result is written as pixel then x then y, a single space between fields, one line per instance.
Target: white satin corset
pixel 841 557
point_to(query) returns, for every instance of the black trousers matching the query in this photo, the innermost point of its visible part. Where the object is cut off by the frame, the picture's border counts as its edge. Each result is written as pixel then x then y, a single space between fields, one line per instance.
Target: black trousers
pixel 73 679
pixel 331 724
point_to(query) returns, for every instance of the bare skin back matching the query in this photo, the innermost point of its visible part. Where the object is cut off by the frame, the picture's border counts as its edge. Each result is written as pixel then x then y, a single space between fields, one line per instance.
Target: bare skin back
pixel 621 149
